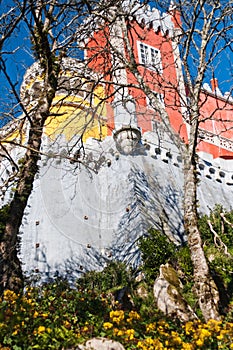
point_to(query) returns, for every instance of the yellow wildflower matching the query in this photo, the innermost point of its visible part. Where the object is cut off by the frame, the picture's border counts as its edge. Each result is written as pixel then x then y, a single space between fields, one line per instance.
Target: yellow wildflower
pixel 189 328
pixel 150 344
pixel 149 341
pixel 129 333
pixel 107 325
pixel 9 295
pixel 140 344
pixel 222 334
pixel 150 327
pixel 158 345
pixel 35 314
pixel 187 346
pixel 176 339
pixel 40 329
pixel 67 324
pixel 120 333
pixel 229 325
pixel 214 325
pixel 163 323
pixel 204 333
pixel 199 342
pixel 134 315
pixel 116 313
pixel 117 316
pixel 115 330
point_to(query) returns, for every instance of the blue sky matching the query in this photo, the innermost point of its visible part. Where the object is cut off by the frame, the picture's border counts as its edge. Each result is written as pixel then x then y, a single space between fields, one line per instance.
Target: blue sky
pixel 222 67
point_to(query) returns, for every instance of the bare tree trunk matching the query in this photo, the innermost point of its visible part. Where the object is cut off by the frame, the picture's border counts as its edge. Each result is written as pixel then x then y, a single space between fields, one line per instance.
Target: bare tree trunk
pixel 204 285
pixel 11 276
pixel 205 288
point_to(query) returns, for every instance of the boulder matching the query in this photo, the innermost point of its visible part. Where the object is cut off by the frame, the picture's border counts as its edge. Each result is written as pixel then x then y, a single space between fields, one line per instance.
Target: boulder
pixel 101 344
pixel 167 291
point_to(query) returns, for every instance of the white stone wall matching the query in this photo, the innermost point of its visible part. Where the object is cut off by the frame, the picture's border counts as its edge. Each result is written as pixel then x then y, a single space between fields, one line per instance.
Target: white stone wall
pixel 78 218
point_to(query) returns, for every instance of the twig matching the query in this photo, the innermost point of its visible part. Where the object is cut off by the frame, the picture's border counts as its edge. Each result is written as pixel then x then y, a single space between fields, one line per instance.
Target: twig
pixel 226 221
pixel 217 240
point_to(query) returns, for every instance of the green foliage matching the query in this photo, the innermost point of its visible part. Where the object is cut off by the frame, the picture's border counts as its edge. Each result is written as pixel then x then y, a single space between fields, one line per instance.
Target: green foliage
pixel 220 226
pixel 183 264
pixel 114 276
pixel 183 259
pixel 156 249
pixel 52 316
pixel 56 316
pixel 217 236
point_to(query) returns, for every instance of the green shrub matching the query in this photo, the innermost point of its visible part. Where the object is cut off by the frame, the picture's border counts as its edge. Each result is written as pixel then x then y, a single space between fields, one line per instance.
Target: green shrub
pixel 218 247
pixel 52 316
pixel 114 276
pixel 55 316
pixel 156 249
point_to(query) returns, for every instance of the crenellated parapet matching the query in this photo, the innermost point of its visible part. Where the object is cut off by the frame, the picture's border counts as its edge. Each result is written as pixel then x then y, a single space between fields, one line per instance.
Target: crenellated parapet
pixel 151 17
pixel 144 15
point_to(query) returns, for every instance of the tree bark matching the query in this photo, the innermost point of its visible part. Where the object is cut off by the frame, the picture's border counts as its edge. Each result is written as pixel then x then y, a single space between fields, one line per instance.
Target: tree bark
pixel 11 275
pixel 204 286
pixel 11 270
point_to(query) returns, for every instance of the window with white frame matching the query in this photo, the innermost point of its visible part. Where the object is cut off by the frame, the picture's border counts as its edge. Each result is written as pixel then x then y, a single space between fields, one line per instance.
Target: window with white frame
pixel 150 57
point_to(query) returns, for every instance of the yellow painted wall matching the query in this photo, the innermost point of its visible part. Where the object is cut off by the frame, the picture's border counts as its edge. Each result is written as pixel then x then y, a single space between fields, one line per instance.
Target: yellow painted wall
pixel 73 116
pixel 17 133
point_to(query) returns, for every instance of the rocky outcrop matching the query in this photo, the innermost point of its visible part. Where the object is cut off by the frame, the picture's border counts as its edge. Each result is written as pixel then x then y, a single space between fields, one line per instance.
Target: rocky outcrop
pixel 101 344
pixel 167 289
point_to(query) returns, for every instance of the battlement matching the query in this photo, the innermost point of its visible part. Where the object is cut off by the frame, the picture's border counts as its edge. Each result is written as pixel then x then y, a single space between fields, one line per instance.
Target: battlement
pixel 151 18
